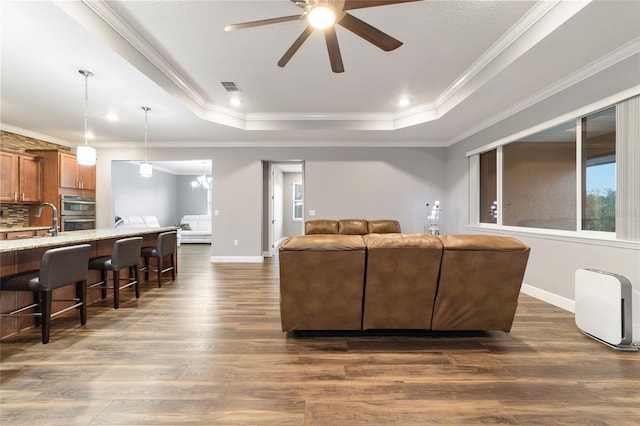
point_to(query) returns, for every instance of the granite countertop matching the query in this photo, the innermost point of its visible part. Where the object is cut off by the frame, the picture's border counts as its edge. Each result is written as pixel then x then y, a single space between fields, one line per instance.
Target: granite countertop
pixel 76 237
pixel 24 228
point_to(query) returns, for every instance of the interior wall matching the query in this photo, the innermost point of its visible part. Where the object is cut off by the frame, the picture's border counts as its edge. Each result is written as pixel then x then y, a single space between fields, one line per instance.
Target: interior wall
pixel 190 201
pixel 372 183
pixel 134 195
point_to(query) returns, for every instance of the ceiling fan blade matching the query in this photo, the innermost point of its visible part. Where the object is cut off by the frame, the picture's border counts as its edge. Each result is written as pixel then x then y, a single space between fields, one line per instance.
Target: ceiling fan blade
pixel 252 24
pixel 371 34
pixel 361 4
pixel 334 49
pixel 295 46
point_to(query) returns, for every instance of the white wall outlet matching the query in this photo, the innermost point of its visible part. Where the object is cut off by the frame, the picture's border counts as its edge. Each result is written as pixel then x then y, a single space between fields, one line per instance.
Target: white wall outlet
pixel 235 242
pixel 312 212
pixel 216 212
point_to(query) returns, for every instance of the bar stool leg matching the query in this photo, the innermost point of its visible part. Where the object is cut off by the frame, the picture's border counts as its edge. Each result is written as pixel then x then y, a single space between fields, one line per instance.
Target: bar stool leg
pixel 103 278
pixel 135 271
pixel 38 309
pixel 116 289
pixel 173 267
pixel 146 268
pixel 45 304
pixel 81 294
pixel 160 267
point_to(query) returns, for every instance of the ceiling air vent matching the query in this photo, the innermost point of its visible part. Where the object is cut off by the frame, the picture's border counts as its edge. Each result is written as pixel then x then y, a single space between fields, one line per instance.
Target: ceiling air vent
pixel 230 86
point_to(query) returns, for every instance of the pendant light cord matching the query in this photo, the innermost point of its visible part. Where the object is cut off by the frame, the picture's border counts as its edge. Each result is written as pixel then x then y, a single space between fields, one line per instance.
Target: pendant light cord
pixel 146 110
pixel 86 105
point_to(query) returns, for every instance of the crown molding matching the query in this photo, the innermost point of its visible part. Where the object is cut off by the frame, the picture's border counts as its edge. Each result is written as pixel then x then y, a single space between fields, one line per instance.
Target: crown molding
pixel 35 135
pixel 612 58
pixel 272 144
pixel 99 18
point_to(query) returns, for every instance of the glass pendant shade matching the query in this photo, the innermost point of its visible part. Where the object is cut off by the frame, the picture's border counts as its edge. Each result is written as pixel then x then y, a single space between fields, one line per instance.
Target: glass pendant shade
pixel 145 169
pixel 86 155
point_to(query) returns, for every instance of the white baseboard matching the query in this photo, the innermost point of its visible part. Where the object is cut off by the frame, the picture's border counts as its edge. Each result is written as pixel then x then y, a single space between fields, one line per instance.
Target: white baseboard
pixel 545 296
pixel 237 259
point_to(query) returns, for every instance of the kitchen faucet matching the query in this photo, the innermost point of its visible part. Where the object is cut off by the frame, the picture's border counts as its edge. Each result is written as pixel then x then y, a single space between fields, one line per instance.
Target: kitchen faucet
pixel 54 226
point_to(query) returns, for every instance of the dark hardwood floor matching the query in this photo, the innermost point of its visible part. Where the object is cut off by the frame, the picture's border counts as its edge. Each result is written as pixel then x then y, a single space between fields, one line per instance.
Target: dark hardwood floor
pixel 207 349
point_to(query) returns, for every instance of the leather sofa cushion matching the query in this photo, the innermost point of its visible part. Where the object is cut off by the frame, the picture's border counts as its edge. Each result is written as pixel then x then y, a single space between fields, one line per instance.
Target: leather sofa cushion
pixel 353 226
pixel 479 284
pixel 325 242
pixel 383 226
pixel 481 242
pixel 321 226
pixel 401 280
pixel 321 282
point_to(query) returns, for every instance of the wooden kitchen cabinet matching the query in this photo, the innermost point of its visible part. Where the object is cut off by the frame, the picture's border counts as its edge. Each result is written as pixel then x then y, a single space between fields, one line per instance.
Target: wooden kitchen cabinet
pixel 74 175
pixel 8 176
pixel 21 178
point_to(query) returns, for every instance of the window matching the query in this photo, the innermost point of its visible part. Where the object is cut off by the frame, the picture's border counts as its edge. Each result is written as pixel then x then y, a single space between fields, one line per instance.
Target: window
pixel 539 180
pixel 488 187
pixel 297 201
pixel 561 178
pixel 599 171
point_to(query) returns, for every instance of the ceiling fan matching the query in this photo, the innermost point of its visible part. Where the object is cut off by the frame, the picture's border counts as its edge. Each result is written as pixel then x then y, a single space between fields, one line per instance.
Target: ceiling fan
pixel 330 13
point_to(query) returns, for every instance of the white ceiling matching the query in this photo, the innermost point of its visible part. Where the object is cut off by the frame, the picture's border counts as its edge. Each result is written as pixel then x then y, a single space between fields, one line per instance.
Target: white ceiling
pixel 464 65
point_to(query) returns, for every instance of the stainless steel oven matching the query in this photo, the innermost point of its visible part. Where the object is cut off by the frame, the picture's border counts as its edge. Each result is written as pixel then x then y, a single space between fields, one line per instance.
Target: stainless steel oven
pixel 77 212
pixel 70 223
pixel 77 205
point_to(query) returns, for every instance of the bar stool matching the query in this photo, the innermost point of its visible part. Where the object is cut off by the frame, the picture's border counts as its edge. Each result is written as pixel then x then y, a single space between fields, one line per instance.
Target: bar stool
pixel 125 255
pixel 165 246
pixel 59 267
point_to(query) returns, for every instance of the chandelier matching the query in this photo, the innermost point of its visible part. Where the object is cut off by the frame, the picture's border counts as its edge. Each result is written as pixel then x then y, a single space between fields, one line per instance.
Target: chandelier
pixel 202 182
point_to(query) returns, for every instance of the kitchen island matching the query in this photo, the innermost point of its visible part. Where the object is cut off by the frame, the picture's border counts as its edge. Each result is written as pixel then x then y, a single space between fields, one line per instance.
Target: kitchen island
pixel 25 254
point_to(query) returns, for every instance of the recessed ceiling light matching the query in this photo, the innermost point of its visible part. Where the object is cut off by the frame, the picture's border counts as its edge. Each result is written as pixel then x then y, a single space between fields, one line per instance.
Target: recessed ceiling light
pixel 90 135
pixel 403 102
pixel 235 102
pixel 112 116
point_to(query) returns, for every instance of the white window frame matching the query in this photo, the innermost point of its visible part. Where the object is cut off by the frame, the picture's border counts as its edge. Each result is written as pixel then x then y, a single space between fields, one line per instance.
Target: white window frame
pixel 297 202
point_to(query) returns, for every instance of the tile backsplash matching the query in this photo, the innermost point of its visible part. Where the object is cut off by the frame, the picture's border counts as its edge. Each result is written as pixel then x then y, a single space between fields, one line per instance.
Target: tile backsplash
pixel 14 215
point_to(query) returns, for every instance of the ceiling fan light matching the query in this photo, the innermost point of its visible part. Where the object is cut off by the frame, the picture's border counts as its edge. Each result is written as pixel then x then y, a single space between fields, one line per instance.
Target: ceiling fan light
pixel 321 17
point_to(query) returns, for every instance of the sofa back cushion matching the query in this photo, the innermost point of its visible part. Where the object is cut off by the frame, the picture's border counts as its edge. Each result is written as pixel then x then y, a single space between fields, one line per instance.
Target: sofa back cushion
pixel 385 226
pixel 321 282
pixel 401 280
pixel 480 280
pixel 321 226
pixel 353 227
pixel 197 222
pixel 151 221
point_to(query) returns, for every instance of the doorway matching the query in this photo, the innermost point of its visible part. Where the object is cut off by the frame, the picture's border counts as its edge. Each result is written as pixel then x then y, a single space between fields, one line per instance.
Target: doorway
pixel 283 209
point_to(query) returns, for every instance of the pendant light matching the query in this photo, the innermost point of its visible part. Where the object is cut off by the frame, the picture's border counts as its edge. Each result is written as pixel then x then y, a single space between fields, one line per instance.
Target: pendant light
pixel 145 167
pixel 86 155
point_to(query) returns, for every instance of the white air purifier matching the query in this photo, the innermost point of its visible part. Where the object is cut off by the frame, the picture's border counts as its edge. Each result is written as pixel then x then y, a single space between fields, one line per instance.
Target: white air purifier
pixel 604 308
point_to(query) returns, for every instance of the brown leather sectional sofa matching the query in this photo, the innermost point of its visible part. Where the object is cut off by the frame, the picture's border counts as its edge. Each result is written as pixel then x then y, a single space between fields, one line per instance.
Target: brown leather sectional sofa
pixel 356 274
